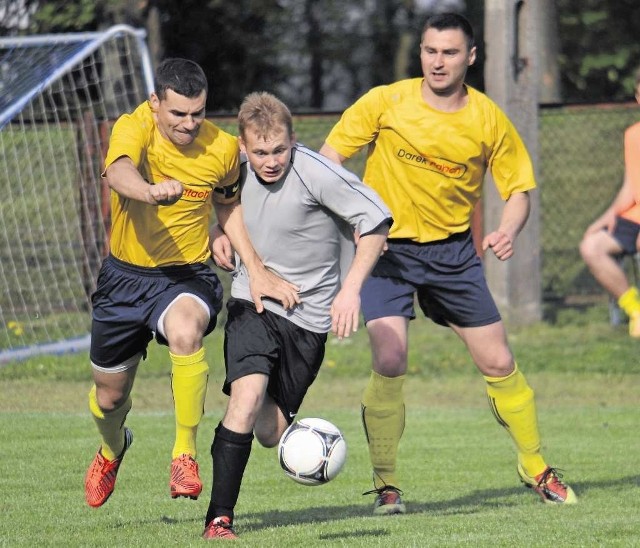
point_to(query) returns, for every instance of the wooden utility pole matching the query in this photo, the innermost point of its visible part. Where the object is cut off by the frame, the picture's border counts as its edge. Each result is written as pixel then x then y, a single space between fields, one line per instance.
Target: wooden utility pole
pixel 511 80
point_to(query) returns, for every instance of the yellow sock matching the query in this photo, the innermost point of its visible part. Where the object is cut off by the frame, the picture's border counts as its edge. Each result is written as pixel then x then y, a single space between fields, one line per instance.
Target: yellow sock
pixel 629 301
pixel 383 421
pixel 189 375
pixel 513 405
pixel 110 425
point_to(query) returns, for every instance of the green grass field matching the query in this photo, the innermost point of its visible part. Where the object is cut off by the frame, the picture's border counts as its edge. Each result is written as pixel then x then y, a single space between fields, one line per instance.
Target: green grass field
pixel 457 465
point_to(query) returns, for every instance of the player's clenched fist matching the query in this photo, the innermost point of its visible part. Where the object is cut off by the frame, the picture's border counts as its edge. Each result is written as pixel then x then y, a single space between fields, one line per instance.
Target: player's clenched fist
pixel 165 193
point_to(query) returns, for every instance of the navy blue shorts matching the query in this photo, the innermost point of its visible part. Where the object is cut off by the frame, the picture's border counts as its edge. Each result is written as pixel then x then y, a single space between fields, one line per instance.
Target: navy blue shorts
pixel 446 276
pixel 129 300
pixel 626 234
pixel 274 346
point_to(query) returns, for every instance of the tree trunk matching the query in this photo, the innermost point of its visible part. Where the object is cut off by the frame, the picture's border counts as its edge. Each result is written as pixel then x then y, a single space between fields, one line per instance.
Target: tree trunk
pixel 154 34
pixel 550 90
pixel 511 77
pixel 314 43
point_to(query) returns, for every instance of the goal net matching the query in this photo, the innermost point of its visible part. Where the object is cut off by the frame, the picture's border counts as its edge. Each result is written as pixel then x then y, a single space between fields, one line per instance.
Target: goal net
pixel 59 96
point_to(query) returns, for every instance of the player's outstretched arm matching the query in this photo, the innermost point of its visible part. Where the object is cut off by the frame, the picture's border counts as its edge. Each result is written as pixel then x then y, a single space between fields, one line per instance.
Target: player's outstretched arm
pixel 125 179
pixel 263 282
pixel 221 248
pixel 345 309
pixel 623 201
pixel 333 155
pixel 514 217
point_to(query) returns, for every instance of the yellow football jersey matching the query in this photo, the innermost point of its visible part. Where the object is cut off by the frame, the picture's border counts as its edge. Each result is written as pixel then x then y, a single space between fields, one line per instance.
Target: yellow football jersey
pixel 148 235
pixel 427 165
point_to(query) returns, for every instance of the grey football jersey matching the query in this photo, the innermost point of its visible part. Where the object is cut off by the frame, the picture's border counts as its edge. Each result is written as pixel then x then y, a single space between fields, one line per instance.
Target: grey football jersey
pixel 302 229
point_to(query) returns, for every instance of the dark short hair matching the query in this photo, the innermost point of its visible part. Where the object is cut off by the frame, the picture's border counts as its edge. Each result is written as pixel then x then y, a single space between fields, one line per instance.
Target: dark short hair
pixel 444 21
pixel 182 76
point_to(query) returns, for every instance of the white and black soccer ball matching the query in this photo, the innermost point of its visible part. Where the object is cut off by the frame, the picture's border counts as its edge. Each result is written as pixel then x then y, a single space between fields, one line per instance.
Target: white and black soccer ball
pixel 312 451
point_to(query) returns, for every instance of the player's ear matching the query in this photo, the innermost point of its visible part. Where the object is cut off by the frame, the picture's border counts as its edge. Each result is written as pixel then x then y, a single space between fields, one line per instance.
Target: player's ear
pixel 472 56
pixel 154 101
pixel 242 145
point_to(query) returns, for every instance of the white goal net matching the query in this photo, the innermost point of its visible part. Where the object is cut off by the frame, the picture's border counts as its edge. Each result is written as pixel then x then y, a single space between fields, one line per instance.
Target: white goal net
pixel 59 96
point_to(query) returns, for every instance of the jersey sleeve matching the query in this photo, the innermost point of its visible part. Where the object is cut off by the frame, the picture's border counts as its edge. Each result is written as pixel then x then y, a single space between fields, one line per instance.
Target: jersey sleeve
pixel 343 193
pixel 228 189
pixel 129 138
pixel 359 124
pixel 509 162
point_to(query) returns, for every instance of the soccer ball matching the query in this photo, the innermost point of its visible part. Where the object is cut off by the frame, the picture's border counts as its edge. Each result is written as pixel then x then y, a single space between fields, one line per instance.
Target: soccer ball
pixel 312 451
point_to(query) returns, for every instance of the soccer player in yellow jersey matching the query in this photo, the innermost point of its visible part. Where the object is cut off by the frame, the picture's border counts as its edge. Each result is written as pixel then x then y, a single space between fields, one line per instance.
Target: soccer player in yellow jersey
pixel 430 142
pixel 167 168
pixel 616 232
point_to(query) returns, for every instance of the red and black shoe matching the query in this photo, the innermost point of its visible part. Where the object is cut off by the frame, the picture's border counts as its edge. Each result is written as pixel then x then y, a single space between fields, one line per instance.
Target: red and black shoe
pixel 220 527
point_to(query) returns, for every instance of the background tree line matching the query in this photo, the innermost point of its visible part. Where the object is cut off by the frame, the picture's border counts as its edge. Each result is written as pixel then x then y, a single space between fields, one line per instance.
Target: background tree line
pixel 322 54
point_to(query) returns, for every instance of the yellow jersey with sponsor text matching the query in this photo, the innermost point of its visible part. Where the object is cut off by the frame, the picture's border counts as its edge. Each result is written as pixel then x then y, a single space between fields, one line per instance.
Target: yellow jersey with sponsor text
pixel 151 236
pixel 427 165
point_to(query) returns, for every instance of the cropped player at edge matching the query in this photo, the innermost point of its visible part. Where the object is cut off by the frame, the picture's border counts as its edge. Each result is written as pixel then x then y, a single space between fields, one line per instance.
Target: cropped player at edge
pixel 167 167
pixel 435 138
pixel 616 233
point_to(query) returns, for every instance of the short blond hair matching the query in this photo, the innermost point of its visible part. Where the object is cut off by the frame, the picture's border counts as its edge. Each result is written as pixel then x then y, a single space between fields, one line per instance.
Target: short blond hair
pixel 265 113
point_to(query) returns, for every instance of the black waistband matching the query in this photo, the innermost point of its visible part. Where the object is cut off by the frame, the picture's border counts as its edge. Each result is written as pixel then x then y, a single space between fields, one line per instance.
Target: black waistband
pixel 169 270
pixel 458 236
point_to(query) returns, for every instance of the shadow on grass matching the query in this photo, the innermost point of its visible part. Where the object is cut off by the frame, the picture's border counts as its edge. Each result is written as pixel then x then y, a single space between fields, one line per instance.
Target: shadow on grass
pixel 472 503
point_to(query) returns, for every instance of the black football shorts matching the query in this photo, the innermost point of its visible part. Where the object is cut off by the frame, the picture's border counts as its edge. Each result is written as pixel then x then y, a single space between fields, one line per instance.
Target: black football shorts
pixel 129 300
pixel 446 275
pixel 274 346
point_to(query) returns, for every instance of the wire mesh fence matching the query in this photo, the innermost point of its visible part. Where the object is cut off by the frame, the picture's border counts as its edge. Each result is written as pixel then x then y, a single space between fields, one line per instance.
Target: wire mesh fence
pixel 580 169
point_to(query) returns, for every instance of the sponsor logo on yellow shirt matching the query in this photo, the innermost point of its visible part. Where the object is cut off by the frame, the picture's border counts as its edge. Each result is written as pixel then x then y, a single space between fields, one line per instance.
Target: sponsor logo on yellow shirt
pixel 439 165
pixel 196 194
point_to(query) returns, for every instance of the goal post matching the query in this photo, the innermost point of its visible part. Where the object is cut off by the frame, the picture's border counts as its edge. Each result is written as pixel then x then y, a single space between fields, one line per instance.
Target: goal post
pixel 59 96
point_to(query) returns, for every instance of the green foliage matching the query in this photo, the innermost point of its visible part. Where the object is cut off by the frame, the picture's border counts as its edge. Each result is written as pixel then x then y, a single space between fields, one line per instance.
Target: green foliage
pixel 235 42
pixel 600 52
pixel 307 50
pixel 63 16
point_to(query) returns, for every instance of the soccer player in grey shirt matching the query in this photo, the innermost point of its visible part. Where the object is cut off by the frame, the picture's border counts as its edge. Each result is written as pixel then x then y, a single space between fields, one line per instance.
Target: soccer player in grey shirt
pixel 300 212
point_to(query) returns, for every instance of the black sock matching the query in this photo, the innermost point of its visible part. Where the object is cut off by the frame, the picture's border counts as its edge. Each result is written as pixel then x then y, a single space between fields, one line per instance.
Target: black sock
pixel 230 452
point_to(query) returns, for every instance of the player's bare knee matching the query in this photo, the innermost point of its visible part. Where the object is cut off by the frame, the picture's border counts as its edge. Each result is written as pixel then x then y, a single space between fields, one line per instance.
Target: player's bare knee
pixel 390 363
pixel 588 250
pixel 499 366
pixel 110 399
pixel 268 437
pixel 184 342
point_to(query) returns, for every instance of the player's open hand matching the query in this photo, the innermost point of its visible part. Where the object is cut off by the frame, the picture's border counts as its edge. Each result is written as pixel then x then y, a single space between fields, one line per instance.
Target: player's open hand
pixel 221 249
pixel 166 192
pixel 345 313
pixel 500 244
pixel 265 284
